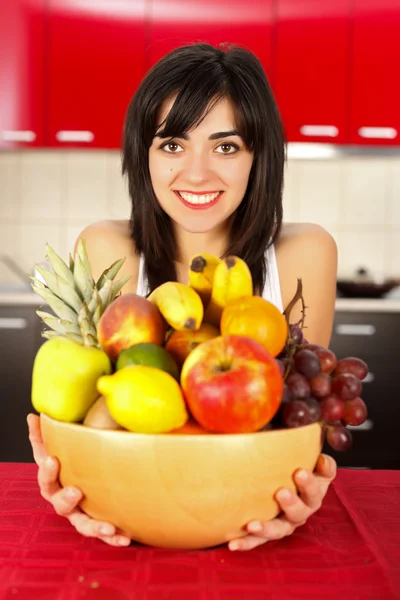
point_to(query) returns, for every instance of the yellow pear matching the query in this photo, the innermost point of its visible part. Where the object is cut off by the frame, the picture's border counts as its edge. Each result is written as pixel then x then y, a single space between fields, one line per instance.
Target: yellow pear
pixel 64 378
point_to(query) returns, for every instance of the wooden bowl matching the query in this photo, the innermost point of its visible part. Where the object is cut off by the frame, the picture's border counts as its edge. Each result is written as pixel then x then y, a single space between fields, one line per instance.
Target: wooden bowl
pixel 180 491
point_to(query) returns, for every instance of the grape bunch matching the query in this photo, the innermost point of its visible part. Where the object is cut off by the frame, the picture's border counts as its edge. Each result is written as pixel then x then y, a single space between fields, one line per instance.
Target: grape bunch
pixel 320 388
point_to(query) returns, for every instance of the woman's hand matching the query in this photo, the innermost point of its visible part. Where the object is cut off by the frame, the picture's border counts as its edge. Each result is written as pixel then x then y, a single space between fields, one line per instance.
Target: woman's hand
pixel 296 509
pixel 65 500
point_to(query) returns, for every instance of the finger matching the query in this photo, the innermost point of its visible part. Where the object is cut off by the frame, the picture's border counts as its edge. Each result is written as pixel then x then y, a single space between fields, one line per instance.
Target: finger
pixel 99 529
pixel 312 489
pixel 326 467
pixel 271 530
pixel 65 500
pixel 294 508
pixel 48 477
pixel 35 438
pixel 247 542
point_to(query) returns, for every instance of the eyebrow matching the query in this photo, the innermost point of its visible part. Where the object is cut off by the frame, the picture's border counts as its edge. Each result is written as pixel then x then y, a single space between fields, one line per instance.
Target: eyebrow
pixel 213 136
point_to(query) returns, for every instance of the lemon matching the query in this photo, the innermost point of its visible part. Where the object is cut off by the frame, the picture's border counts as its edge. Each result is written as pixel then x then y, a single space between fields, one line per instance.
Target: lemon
pixel 144 399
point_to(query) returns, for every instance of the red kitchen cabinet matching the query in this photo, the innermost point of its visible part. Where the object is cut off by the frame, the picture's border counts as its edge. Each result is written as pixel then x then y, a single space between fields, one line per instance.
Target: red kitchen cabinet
pixel 312 66
pixel 96 53
pixel 375 104
pixel 21 73
pixel 174 23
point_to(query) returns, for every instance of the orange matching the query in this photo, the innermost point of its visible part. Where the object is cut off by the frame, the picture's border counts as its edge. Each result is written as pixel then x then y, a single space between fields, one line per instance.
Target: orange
pixel 257 319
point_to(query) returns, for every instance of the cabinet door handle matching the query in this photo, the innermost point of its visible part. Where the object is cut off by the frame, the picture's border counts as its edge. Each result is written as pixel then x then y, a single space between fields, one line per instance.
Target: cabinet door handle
pixel 384 133
pixel 354 329
pixel 16 135
pixel 75 136
pixel 13 323
pixel 366 426
pixel 323 130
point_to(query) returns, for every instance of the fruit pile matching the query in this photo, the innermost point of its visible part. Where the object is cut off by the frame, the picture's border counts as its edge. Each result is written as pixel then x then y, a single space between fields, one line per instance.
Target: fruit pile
pixel 206 357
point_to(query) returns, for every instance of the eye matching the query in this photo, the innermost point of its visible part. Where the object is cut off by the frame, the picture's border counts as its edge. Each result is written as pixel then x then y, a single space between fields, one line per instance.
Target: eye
pixel 171 147
pixel 228 148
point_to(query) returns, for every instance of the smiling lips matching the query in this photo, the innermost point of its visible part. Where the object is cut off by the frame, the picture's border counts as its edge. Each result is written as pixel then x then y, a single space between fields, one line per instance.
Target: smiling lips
pixel 198 200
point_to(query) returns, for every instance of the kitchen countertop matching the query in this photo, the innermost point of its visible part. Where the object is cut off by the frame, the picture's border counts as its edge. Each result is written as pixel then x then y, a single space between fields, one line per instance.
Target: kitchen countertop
pixel 342 304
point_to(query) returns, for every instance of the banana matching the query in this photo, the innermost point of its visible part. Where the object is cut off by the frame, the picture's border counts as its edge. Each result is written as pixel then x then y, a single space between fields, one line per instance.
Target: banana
pixel 201 274
pixel 179 304
pixel 232 279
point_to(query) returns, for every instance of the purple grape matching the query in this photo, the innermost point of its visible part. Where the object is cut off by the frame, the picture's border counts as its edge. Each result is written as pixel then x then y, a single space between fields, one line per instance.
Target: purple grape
pixel 296 334
pixel 298 386
pixel 307 363
pixel 339 438
pixel 296 414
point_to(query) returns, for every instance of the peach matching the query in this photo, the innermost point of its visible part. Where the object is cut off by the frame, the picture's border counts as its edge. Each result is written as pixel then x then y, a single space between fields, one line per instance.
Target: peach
pixel 181 343
pixel 130 319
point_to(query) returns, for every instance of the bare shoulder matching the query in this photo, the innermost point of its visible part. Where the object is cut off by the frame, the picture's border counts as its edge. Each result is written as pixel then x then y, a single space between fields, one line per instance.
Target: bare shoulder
pixel 295 235
pixel 107 241
pixel 308 252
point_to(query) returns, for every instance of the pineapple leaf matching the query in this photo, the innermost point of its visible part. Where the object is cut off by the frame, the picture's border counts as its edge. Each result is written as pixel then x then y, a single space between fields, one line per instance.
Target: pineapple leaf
pixel 59 266
pixel 62 310
pixel 53 334
pixel 118 285
pixel 110 273
pixel 71 263
pixel 95 301
pixel 36 282
pixel 81 252
pixel 96 315
pixel 69 295
pixel 60 325
pixel 50 279
pixel 105 293
pixel 88 330
pixel 84 282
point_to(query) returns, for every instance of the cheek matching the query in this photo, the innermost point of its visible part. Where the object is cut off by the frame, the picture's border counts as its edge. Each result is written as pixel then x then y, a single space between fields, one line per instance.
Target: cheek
pixel 161 173
pixel 237 174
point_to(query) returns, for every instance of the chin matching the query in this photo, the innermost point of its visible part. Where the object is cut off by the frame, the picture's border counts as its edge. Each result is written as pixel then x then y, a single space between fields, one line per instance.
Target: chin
pixel 202 225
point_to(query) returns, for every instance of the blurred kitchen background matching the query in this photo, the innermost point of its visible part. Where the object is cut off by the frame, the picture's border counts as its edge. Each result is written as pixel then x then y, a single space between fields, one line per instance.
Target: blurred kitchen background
pixel 68 69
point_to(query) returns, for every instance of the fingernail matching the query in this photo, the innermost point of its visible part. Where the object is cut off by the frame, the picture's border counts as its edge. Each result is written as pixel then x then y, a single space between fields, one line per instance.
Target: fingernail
pixel 233 546
pixel 124 542
pixel 302 474
pixel 284 495
pixel 71 492
pixel 255 526
pixel 107 530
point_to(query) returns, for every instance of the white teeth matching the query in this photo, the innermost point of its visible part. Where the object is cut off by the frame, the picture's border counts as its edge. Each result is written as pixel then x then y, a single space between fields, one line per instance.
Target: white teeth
pixel 195 199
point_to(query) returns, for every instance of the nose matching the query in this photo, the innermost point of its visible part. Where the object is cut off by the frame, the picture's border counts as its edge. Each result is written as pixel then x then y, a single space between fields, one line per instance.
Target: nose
pixel 197 168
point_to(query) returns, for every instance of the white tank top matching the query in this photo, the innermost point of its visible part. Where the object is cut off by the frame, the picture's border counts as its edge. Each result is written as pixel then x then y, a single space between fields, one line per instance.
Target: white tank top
pixel 271 291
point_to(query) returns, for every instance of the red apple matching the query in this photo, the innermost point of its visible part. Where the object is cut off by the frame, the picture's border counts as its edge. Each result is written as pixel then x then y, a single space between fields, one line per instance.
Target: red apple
pixel 232 384
pixel 130 319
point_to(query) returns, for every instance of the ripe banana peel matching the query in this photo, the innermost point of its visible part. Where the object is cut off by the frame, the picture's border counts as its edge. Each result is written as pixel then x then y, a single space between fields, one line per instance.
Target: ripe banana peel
pixel 179 304
pixel 232 279
pixel 201 274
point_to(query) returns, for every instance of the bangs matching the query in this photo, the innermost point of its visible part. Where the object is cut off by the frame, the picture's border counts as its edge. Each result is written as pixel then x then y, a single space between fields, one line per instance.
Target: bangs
pixel 191 107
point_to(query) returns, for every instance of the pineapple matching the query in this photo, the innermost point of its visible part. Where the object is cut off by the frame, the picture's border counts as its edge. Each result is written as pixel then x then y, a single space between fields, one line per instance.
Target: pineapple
pixel 77 300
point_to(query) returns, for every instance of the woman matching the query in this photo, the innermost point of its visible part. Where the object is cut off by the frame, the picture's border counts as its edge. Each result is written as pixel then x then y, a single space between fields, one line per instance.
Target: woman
pixel 204 155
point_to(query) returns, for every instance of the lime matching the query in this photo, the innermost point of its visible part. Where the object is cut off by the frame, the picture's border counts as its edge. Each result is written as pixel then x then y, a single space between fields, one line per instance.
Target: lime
pixel 148 355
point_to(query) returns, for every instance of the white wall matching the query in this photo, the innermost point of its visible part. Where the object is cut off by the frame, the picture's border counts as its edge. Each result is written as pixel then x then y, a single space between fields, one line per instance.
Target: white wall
pixel 49 196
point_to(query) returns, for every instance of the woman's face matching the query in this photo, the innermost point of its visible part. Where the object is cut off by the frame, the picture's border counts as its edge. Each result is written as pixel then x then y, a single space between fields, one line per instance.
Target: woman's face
pixel 200 181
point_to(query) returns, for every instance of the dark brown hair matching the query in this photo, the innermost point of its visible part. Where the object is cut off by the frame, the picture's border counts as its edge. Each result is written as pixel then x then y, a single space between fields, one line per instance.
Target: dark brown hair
pixel 200 75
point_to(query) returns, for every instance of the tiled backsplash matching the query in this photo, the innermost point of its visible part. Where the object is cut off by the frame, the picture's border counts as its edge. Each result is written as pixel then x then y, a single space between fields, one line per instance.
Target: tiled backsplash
pixel 49 196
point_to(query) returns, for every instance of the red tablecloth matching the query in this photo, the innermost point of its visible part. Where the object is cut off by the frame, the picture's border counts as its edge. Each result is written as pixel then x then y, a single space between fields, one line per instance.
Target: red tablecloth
pixel 350 549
